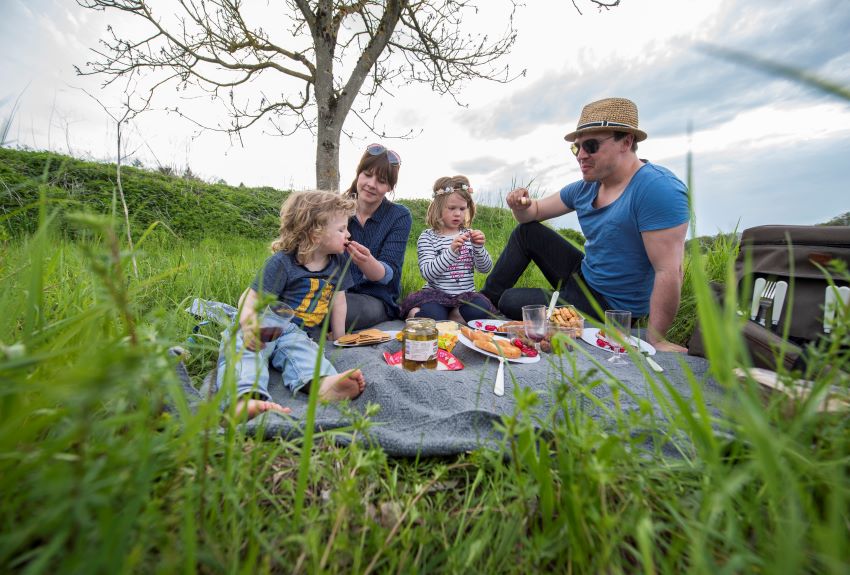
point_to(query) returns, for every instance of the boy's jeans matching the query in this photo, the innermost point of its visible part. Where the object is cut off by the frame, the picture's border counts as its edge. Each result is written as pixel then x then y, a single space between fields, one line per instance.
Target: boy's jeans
pixel 293 354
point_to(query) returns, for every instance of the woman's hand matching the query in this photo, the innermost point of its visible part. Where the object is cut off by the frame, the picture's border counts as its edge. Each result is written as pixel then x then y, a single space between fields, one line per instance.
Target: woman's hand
pixel 363 259
pixel 477 237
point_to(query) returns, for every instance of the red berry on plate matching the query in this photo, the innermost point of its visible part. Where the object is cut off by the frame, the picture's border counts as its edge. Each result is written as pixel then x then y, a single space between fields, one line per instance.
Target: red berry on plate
pixel 490 327
pixel 530 352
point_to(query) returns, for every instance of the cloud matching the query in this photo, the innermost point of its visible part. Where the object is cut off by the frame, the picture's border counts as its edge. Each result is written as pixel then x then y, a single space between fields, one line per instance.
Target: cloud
pixel 697 86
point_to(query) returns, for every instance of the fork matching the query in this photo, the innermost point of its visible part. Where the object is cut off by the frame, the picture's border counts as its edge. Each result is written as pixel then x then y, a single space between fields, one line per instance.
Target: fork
pixel 765 301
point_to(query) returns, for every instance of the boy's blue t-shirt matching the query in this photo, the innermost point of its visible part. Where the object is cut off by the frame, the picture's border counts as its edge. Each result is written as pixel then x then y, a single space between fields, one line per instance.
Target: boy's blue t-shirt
pixel 308 293
pixel 615 262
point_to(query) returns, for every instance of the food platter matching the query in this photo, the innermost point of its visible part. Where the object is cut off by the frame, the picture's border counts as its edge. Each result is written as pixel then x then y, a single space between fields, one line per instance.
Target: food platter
pixel 591 335
pixel 523 359
pixel 491 325
pixel 390 333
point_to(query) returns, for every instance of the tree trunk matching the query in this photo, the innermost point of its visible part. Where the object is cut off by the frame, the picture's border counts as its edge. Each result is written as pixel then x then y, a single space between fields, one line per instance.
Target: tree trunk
pixel 327 152
pixel 332 105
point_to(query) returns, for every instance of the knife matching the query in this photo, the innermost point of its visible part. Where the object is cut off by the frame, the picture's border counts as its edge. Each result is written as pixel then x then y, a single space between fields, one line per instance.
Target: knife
pixel 779 300
pixel 499 388
pixel 653 364
pixel 758 289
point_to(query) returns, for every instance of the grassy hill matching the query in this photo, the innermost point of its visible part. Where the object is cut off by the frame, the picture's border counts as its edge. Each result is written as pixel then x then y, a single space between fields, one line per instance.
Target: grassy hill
pixel 190 208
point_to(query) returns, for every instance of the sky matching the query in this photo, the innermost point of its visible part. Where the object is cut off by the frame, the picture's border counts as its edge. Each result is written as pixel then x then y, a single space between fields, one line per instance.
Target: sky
pixel 765 150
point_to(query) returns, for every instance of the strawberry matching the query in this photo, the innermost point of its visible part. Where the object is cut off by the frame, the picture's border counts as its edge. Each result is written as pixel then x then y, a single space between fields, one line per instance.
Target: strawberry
pixel 530 352
pixel 490 327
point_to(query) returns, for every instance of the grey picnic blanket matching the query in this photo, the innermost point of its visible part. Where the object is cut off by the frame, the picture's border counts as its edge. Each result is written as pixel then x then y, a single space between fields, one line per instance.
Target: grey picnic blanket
pixel 438 413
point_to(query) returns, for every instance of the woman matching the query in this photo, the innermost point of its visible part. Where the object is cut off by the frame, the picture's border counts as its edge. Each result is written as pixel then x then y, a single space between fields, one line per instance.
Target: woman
pixel 379 231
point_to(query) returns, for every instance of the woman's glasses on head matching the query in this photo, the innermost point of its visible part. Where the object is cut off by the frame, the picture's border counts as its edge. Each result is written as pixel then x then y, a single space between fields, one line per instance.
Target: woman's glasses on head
pixel 378 149
pixel 590 146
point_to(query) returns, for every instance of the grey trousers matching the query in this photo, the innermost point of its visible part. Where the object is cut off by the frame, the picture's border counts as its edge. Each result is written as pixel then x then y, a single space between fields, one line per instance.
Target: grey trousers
pixel 364 311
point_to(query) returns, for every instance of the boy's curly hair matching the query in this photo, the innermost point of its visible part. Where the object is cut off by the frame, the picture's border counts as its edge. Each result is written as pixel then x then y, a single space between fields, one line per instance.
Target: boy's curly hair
pixel 458 185
pixel 304 218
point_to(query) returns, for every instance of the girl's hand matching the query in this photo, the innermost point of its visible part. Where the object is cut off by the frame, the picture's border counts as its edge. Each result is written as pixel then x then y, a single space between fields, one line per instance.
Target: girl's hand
pixel 459 240
pixel 518 200
pixel 477 237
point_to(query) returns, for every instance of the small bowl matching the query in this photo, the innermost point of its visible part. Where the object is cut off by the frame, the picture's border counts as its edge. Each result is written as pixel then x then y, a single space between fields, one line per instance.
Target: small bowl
pixel 566 343
pixel 569 318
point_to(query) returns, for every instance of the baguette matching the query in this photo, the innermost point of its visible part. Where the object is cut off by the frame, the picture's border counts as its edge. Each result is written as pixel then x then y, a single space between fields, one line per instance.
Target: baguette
pixel 499 347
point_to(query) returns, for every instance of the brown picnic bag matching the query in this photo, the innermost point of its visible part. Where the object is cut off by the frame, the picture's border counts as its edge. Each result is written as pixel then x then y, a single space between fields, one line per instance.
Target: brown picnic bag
pixel 795 255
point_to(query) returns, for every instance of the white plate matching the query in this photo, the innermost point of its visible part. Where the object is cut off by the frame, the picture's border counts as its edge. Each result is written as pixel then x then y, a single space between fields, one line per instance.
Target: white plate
pixel 389 332
pixel 522 359
pixel 589 335
pixel 481 324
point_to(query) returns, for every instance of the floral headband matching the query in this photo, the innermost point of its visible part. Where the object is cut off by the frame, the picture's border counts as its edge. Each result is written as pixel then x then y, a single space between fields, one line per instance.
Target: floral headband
pixel 450 189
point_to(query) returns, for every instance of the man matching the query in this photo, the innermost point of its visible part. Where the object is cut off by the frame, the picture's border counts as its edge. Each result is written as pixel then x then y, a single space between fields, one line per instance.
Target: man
pixel 634 215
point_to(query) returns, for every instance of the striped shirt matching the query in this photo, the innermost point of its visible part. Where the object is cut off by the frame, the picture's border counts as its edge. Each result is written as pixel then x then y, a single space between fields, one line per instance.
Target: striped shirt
pixel 453 273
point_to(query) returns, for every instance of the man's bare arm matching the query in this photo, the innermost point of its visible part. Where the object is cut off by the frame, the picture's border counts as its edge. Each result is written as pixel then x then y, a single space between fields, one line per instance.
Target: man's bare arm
pixel 527 209
pixel 666 250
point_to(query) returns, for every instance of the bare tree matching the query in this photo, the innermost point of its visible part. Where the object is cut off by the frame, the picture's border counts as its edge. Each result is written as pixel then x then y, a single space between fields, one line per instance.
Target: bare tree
pixel 308 60
pixel 128 112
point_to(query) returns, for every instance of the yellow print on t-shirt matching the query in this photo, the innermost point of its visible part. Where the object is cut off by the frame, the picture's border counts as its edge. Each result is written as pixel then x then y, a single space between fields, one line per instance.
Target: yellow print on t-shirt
pixel 316 302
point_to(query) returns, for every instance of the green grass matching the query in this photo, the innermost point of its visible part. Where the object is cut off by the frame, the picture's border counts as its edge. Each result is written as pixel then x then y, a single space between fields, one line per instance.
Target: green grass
pixel 96 477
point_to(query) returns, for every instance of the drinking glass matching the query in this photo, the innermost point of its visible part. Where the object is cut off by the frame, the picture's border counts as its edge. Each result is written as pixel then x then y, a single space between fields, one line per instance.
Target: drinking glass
pixel 534 317
pixel 274 320
pixel 618 326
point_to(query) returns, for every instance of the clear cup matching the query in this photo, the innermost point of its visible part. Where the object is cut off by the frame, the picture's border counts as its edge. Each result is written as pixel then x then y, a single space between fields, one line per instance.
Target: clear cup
pixel 274 320
pixel 618 327
pixel 534 317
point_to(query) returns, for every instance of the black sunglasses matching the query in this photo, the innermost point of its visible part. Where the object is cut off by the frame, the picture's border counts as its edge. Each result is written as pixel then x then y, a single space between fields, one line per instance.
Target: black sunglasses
pixel 590 146
pixel 378 149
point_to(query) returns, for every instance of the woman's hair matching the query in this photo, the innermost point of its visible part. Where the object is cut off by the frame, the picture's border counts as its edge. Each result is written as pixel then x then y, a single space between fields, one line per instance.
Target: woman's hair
pixel 304 218
pixel 443 188
pixel 380 165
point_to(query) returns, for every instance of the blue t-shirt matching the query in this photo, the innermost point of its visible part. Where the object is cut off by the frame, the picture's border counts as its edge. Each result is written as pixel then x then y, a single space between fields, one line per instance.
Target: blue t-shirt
pixel 308 293
pixel 385 234
pixel 615 262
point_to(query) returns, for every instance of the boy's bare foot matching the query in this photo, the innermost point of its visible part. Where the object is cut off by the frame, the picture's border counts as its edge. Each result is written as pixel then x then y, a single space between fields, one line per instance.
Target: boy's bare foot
pixel 412 313
pixel 455 316
pixel 254 407
pixel 346 385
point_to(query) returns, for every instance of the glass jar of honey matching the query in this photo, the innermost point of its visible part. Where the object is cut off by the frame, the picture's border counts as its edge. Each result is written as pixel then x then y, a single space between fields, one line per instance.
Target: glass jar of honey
pixel 419 344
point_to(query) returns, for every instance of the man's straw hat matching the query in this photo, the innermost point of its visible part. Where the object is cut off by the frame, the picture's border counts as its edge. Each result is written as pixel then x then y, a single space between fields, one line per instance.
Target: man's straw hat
pixel 617 114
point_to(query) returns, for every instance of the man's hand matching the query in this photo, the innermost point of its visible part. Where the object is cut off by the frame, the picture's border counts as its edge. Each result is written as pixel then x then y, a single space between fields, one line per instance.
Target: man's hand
pixel 477 237
pixel 458 242
pixel 518 200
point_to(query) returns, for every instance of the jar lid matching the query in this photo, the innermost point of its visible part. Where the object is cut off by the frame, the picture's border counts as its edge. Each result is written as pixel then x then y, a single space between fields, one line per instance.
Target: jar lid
pixel 421 322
